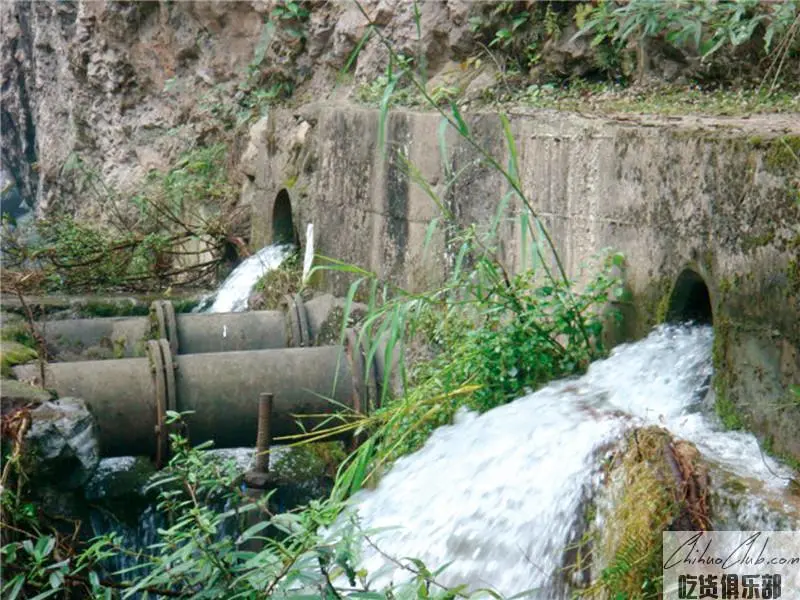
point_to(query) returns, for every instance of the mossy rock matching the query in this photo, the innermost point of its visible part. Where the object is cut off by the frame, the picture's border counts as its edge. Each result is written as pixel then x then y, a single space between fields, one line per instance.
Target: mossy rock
pixel 307 461
pixel 655 484
pixel 14 353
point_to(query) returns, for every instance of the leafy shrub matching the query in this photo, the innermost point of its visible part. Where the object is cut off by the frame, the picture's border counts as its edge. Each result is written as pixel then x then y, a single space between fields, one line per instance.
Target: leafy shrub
pixel 518 30
pixel 700 29
pixel 217 542
pixel 175 231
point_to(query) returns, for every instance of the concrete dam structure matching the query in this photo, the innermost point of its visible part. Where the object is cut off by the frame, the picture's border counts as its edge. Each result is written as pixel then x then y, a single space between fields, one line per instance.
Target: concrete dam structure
pixel 704 210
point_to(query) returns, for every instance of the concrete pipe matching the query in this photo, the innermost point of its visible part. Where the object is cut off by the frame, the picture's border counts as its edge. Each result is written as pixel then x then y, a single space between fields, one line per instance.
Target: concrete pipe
pixel 126 337
pixel 129 397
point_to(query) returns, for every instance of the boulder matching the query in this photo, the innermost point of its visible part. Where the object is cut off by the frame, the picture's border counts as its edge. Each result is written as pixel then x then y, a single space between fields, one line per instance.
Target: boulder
pixel 61 444
pixel 651 483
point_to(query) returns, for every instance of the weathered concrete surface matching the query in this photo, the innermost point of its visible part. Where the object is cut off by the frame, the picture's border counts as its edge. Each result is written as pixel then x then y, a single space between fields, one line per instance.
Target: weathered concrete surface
pixel 717 196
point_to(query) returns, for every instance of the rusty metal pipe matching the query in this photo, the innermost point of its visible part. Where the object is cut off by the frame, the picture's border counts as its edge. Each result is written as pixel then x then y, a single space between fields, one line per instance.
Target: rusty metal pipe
pixel 221 388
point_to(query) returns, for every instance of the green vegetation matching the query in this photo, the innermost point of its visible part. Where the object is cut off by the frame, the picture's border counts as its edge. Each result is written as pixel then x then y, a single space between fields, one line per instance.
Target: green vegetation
pixel 737 57
pixel 14 353
pixel 275 284
pixel 488 336
pixel 241 550
pixel 609 98
pixel 702 29
pixel 176 231
pixel 492 335
pixel 518 31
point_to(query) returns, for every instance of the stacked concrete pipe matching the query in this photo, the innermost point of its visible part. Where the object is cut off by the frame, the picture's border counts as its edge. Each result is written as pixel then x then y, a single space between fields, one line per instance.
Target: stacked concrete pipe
pixel 126 337
pixel 130 397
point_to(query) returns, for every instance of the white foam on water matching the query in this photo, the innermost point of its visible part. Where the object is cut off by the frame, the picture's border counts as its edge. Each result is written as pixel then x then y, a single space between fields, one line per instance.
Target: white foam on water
pixel 496 496
pixel 234 292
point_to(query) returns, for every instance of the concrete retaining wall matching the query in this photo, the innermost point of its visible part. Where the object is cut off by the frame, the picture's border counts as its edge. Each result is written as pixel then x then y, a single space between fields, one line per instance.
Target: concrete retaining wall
pixel 719 197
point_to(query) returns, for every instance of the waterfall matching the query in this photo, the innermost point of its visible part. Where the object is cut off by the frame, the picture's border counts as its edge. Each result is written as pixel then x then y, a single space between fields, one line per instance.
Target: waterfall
pixel 497 496
pixel 232 295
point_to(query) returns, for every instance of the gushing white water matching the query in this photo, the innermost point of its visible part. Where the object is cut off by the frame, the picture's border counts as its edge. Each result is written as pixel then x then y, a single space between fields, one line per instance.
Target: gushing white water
pixel 496 496
pixel 308 259
pixel 232 295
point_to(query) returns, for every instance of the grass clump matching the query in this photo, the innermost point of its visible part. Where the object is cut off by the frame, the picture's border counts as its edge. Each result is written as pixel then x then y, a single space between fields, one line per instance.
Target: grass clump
pixel 14 353
pixel 276 283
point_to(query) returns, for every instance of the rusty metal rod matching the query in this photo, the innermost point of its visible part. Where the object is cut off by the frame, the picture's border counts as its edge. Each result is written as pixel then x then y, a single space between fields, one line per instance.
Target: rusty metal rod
pixel 264 437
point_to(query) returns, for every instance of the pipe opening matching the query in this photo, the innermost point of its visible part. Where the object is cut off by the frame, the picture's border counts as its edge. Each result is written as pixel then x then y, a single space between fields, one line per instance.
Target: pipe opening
pixel 283 230
pixel 690 300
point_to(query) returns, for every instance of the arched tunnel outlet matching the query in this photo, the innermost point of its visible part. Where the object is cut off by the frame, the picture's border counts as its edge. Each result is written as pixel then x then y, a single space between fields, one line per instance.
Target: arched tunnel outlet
pixel 690 300
pixel 283 229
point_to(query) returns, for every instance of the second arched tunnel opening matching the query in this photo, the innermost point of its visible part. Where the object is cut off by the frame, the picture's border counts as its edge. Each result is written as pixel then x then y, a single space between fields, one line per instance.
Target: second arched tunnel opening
pixel 283 229
pixel 690 300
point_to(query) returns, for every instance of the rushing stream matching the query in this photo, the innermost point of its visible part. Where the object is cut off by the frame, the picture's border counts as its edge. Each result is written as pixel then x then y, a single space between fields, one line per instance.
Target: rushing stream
pixel 496 496
pixel 232 295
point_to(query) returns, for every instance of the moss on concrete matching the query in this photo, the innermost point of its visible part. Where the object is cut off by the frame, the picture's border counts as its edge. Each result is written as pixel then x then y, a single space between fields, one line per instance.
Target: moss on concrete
pixel 114 309
pixel 751 242
pixel 652 304
pixel 783 154
pixel 724 376
pixel 14 353
pixel 793 275
pixel 768 445
pixel 307 461
pixel 18 331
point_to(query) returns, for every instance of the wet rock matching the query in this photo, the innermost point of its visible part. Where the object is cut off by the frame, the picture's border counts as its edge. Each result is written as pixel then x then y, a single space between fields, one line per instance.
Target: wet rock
pixel 746 504
pixel 61 444
pixel 653 483
pixel 119 478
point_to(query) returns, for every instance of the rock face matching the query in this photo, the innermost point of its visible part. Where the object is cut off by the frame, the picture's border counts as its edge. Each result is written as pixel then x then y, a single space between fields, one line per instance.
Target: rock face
pixel 62 444
pixel 105 90
pixel 124 86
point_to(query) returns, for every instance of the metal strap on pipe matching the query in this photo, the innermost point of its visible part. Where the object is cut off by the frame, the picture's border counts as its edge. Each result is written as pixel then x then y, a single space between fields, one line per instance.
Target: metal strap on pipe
pixel 155 356
pixel 364 370
pixel 167 323
pixel 172 326
pixel 172 400
pixel 157 310
pixel 163 371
